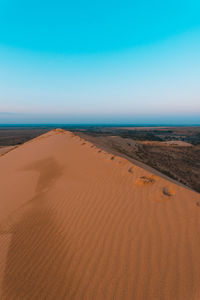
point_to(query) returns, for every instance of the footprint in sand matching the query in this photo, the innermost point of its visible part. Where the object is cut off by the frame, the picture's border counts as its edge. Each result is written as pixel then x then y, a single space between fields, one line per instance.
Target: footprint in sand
pixel 130 170
pixel 168 191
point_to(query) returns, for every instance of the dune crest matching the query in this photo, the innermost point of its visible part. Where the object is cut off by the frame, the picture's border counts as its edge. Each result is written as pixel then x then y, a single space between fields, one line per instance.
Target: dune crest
pixel 79 223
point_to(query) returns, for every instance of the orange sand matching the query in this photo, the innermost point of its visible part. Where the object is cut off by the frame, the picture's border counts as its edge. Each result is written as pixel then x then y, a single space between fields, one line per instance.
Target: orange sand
pixel 5 149
pixel 79 223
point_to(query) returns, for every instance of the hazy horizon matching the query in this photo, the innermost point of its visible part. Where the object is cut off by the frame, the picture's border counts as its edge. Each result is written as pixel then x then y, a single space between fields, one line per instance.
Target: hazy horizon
pixel 27 119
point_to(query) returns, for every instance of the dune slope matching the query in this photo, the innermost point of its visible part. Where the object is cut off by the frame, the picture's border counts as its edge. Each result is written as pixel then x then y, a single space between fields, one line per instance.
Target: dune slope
pixel 79 223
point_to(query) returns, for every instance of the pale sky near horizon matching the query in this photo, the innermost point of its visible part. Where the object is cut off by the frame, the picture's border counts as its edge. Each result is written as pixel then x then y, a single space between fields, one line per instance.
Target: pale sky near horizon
pixel 107 61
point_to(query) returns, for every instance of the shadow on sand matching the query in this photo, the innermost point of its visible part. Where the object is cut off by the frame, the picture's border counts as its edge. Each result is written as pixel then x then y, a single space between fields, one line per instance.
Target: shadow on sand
pixel 34 259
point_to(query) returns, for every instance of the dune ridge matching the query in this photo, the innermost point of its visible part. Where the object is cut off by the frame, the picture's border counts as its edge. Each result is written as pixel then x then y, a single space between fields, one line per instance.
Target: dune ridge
pixel 79 223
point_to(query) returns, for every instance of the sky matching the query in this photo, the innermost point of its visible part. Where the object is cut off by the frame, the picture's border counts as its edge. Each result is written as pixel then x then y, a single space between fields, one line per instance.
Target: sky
pixel 131 62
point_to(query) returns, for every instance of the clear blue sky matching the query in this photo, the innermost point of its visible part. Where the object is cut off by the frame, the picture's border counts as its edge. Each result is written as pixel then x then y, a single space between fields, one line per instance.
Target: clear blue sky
pixel 100 61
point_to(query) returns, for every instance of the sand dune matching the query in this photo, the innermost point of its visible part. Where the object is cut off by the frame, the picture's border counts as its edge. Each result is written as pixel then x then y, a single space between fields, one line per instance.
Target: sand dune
pixel 79 223
pixel 6 149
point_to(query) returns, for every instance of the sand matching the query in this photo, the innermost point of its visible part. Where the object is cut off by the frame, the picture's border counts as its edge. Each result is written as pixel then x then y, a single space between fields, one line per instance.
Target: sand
pixel 5 149
pixel 167 143
pixel 79 223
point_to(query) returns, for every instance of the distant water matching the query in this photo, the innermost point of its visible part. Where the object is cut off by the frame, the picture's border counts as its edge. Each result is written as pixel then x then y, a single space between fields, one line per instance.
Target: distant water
pixel 52 126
